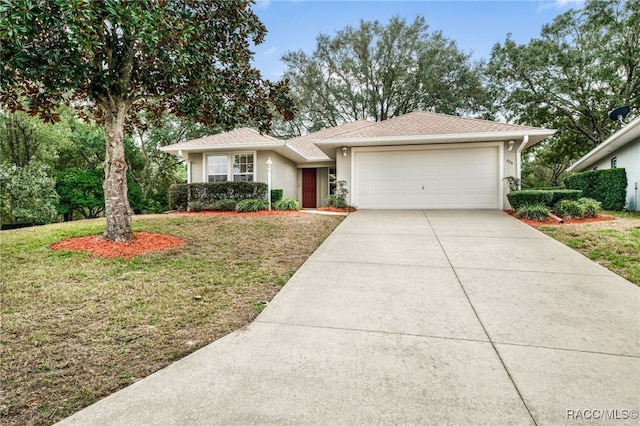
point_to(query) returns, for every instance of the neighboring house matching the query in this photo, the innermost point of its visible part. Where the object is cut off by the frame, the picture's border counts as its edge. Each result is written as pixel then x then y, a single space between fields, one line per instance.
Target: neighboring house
pixel 621 150
pixel 419 160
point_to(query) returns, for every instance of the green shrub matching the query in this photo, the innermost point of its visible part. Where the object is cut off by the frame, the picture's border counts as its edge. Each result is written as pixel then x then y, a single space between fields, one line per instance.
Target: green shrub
pixel 592 208
pixel 196 206
pixel 569 209
pixel 584 207
pixel 528 197
pixel 178 196
pixel 252 205
pixel 225 205
pixel 608 186
pixel 335 200
pixel 276 195
pixel 339 198
pixel 560 194
pixel 209 193
pixel 286 204
pixel 533 212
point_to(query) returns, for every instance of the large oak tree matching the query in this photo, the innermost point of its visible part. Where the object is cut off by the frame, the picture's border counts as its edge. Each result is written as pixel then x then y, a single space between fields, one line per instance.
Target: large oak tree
pixel 377 71
pixel 114 58
pixel 583 64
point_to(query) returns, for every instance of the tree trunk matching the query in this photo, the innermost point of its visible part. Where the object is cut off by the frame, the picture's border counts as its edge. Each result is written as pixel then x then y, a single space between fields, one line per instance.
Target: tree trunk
pixel 117 209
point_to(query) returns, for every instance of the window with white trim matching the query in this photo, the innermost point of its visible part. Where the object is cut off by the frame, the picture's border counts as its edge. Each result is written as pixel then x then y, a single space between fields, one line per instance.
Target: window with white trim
pixel 217 168
pixel 243 167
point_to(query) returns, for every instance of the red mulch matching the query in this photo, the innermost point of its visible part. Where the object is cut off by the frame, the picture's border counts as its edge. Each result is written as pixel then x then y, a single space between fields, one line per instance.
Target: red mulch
pixel 233 213
pixel 552 221
pixel 143 242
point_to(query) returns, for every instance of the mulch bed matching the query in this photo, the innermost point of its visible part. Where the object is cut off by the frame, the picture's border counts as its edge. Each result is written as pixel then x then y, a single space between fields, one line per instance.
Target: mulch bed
pixel 552 221
pixel 143 242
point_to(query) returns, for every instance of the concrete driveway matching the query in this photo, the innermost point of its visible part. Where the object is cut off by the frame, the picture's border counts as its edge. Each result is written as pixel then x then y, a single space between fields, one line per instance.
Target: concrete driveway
pixel 415 317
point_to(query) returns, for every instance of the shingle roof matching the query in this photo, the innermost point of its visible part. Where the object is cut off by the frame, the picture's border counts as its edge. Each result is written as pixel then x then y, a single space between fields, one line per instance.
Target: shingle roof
pixel 421 123
pixel 241 136
pixel 304 144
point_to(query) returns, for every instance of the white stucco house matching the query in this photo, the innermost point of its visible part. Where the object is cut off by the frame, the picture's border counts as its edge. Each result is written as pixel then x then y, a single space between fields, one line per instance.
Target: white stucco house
pixel 420 160
pixel 621 150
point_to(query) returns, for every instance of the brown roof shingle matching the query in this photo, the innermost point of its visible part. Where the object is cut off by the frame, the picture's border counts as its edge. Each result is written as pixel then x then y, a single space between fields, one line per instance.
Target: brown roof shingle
pixel 422 123
pixel 241 136
pixel 304 144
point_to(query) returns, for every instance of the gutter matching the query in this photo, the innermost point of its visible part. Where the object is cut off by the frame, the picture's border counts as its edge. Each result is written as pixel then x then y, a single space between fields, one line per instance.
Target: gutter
pixel 522 146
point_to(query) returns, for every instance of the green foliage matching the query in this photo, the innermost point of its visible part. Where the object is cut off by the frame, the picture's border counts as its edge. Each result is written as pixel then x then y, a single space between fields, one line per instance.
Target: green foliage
pixel 252 205
pixel 276 195
pixel 519 199
pixel 533 212
pixel 27 194
pixel 196 206
pixel 339 198
pixel 584 207
pixel 225 205
pixel 377 71
pixel 592 208
pixel 286 204
pixel 582 65
pixel 608 186
pixel 80 191
pixel 178 196
pixel 210 193
pixel 564 194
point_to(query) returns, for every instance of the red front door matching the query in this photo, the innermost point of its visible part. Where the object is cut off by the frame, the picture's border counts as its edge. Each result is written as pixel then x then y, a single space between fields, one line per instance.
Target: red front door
pixel 309 188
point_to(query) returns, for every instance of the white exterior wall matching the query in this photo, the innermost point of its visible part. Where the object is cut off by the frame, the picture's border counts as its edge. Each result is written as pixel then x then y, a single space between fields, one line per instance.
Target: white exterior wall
pixel 510 169
pixel 628 158
pixel 343 170
pixel 284 174
pixel 197 170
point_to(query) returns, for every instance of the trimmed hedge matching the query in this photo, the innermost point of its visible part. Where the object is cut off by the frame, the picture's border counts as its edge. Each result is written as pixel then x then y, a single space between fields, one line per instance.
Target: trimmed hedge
pixel 529 197
pixel 608 186
pixel 211 193
pixel 565 194
pixel 276 195
pixel 548 197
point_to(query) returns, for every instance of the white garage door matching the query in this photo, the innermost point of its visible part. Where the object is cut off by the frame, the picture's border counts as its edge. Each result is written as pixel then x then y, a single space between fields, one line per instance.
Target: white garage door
pixel 439 178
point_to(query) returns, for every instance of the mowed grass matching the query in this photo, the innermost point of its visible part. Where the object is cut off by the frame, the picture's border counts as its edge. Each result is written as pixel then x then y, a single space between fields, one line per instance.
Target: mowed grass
pixel 76 327
pixel 613 244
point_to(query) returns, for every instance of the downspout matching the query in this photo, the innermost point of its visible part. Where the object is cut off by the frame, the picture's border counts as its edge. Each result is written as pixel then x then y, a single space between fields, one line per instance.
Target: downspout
pixel 525 140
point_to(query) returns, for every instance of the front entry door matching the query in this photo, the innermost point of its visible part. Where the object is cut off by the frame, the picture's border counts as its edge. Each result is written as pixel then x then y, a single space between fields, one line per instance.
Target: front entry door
pixel 309 188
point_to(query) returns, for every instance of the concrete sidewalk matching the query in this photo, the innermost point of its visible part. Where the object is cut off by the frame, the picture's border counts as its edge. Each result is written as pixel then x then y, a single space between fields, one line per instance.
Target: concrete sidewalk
pixel 415 317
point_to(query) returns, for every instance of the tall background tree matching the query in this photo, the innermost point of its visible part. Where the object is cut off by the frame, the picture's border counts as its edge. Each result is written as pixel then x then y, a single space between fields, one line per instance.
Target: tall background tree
pixel 585 63
pixel 378 71
pixel 114 58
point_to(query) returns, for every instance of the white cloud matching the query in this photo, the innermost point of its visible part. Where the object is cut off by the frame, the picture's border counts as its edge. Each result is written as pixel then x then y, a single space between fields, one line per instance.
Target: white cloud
pixel 560 4
pixel 263 4
pixel 270 51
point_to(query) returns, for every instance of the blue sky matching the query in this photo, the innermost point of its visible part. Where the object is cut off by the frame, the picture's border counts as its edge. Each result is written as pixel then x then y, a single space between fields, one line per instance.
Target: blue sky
pixel 476 25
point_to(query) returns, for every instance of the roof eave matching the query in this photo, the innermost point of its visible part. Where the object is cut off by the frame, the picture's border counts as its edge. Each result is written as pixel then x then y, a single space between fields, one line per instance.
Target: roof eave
pixel 616 141
pixel 535 136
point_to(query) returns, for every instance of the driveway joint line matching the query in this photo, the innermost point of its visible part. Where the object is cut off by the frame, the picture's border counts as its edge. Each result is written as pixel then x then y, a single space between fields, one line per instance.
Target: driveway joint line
pixel 495 349
pixel 605 273
pixel 364 330
pixel 552 348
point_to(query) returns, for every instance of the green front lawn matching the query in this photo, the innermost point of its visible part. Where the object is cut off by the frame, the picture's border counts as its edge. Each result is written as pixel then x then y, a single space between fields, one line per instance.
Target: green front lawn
pixel 76 327
pixel 613 244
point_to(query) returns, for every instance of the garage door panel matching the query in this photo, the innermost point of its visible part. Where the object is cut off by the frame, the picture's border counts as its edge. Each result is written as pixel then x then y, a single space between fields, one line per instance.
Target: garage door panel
pixel 430 178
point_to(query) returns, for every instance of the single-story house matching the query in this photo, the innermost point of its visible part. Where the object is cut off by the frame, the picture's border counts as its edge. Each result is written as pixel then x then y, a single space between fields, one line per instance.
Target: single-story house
pixel 420 160
pixel 621 150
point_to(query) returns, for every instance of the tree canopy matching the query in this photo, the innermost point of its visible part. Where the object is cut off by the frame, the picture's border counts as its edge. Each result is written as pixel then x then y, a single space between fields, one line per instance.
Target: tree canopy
pixel 585 63
pixel 113 58
pixel 378 71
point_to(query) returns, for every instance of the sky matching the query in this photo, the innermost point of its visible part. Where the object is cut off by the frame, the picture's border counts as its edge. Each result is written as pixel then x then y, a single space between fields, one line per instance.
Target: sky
pixel 476 25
